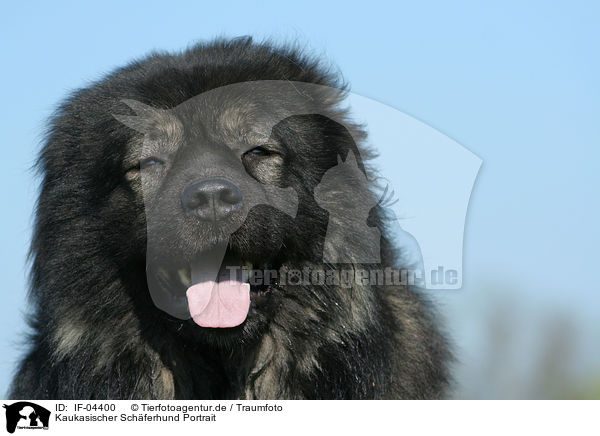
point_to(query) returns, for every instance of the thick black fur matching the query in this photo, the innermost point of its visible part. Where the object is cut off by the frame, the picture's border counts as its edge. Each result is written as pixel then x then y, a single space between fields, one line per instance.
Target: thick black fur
pixel 98 336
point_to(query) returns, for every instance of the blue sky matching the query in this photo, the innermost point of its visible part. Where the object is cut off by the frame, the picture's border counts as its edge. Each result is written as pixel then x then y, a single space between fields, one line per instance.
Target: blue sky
pixel 517 84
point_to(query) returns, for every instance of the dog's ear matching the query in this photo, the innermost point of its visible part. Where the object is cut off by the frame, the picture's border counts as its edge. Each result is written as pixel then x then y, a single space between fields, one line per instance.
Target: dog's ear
pixel 145 116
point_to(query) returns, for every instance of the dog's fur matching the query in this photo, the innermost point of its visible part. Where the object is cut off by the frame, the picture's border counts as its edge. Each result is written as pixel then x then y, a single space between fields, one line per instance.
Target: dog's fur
pixel 97 335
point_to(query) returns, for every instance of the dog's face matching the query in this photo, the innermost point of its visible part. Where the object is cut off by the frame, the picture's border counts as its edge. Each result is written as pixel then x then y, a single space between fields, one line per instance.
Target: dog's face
pixel 225 179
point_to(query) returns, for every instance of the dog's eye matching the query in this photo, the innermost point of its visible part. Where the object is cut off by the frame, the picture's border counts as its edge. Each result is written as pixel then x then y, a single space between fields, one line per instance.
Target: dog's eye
pixel 259 152
pixel 150 162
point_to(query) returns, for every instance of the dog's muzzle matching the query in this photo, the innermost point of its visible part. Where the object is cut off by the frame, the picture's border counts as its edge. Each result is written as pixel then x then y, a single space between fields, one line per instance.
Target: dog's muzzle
pixel 211 199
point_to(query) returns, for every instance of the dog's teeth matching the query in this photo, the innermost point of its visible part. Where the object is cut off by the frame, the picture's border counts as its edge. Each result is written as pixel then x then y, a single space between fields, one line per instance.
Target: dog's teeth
pixel 183 277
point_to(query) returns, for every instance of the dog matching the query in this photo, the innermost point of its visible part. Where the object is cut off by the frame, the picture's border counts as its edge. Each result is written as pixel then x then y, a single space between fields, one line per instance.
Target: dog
pixel 191 241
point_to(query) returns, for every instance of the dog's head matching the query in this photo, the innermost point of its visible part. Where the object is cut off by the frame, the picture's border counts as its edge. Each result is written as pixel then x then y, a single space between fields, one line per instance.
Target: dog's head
pixel 226 180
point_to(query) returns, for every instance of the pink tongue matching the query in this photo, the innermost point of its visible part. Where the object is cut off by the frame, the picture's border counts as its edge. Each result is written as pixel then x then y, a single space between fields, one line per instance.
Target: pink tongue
pixel 219 304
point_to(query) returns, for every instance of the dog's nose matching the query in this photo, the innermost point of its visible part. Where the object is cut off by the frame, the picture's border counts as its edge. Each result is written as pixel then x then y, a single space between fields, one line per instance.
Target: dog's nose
pixel 212 199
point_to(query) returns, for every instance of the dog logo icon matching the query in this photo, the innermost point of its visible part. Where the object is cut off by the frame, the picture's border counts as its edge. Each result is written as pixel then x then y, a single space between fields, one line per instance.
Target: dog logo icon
pixel 26 415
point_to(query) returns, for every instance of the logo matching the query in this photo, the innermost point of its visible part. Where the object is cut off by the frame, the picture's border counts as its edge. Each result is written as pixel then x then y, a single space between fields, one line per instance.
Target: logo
pixel 344 193
pixel 231 151
pixel 26 415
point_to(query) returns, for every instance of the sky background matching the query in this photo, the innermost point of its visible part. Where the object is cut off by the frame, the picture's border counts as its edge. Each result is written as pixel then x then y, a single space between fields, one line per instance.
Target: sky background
pixel 515 84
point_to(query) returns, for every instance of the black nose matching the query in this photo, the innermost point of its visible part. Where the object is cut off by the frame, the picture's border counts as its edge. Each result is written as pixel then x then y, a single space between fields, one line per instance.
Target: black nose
pixel 212 199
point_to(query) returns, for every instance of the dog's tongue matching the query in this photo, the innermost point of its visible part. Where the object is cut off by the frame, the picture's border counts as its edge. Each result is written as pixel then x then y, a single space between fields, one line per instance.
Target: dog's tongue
pixel 219 304
pixel 216 299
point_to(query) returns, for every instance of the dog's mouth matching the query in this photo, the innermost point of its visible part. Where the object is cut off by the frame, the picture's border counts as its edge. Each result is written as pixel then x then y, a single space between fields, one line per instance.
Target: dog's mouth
pixel 214 297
